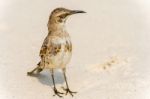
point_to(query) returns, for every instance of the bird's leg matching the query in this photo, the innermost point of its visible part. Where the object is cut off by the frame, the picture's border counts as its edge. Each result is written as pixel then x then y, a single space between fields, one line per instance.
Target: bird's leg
pixel 38 69
pixel 55 90
pixel 67 89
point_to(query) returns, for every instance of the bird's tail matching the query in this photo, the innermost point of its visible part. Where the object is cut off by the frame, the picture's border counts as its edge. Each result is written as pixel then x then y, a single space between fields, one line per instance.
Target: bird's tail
pixel 39 63
pixel 39 67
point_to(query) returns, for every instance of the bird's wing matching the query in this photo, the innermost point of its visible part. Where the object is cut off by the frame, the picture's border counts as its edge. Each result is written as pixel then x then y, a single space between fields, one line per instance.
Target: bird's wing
pixel 51 46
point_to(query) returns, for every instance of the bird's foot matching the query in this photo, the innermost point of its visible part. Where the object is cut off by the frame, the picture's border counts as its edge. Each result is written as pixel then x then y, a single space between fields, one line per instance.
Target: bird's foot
pixel 69 91
pixel 57 93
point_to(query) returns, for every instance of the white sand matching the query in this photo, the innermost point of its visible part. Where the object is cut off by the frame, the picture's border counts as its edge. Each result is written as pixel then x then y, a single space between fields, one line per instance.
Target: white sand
pixel 111 55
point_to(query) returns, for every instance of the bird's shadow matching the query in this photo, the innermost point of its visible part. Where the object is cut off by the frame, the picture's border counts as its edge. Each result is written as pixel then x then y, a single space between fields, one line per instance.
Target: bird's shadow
pixel 46 79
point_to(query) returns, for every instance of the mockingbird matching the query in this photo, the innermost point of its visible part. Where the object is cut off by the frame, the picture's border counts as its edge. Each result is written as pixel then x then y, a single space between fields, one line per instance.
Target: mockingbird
pixel 56 50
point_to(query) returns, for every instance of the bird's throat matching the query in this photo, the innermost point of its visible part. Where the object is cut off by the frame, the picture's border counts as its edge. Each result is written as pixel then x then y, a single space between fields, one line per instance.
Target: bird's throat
pixel 57 28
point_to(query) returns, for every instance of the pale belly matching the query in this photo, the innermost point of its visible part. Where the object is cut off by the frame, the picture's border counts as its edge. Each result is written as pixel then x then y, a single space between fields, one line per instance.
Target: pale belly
pixel 61 59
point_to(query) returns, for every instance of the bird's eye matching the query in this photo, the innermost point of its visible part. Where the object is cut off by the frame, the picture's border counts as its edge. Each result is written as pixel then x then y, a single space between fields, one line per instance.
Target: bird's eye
pixel 63 16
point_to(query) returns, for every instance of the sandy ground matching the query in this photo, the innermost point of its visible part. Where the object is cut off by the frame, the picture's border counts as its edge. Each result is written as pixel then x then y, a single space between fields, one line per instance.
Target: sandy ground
pixel 111 54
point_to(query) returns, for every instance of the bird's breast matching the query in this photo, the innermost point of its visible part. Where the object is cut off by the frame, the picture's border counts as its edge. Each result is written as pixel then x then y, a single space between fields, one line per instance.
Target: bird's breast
pixel 64 44
pixel 63 53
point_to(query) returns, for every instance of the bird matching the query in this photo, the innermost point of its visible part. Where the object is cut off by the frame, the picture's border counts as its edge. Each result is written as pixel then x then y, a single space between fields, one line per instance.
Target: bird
pixel 56 50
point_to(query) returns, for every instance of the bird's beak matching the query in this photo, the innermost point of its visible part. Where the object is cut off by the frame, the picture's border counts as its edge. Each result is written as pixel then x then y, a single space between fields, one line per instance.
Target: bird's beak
pixel 77 11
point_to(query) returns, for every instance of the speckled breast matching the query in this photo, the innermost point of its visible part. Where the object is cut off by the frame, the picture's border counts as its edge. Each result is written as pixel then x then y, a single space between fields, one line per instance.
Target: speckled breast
pixel 62 54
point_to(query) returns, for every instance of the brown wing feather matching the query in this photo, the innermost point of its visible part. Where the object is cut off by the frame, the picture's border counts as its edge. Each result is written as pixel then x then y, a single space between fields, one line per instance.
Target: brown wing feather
pixel 44 47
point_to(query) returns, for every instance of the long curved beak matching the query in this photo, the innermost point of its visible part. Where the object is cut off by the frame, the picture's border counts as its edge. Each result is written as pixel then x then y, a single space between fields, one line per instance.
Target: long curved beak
pixel 77 11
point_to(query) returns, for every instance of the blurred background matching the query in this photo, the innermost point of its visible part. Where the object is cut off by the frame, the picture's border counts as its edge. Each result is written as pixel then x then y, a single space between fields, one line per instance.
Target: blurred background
pixel 111 50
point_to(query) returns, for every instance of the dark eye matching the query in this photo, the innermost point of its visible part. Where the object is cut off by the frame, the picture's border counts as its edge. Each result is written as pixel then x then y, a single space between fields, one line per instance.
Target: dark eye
pixel 63 16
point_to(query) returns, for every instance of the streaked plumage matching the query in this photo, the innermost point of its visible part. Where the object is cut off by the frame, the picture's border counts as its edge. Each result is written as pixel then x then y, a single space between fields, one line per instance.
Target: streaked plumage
pixel 56 50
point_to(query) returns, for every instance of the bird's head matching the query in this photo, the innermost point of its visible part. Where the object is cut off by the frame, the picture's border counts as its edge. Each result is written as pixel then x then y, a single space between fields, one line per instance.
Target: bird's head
pixel 60 15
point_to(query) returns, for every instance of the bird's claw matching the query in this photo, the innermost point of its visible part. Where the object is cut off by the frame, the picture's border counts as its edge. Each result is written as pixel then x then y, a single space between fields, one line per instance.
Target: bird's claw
pixel 57 93
pixel 69 91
